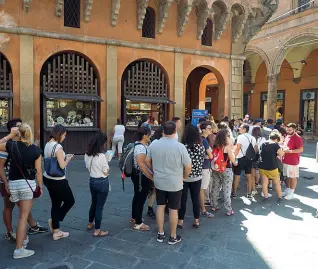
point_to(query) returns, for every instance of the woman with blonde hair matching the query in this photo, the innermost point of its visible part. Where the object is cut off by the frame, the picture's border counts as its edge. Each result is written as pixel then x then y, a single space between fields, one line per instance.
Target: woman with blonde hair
pixel 25 167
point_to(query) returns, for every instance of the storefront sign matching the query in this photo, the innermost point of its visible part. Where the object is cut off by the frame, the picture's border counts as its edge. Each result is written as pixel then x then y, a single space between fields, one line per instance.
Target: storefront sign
pixel 208 99
pixel 197 114
pixel 280 96
pixel 308 95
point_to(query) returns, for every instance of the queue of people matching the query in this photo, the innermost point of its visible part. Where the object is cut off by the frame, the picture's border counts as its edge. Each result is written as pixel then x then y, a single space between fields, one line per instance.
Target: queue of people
pixel 209 159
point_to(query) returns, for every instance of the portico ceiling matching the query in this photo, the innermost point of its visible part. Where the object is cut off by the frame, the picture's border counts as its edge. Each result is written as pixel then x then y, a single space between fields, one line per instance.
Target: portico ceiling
pixel 246 19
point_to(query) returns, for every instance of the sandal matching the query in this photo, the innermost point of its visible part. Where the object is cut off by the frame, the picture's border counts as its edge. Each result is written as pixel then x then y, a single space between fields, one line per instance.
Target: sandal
pixel 100 234
pixel 141 227
pixel 207 214
pixel 229 213
pixel 133 221
pixel 196 225
pixel 90 226
pixel 215 208
pixel 180 227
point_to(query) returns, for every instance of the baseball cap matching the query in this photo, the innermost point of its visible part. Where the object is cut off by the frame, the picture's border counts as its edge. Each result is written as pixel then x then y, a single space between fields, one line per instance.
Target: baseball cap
pixel 247 116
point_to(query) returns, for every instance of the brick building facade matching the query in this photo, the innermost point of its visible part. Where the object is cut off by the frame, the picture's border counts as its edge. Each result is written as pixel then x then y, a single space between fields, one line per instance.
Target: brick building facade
pixel 280 73
pixel 86 63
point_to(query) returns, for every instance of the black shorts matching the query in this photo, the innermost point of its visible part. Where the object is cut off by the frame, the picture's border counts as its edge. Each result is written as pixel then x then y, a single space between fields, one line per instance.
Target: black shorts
pixel 243 164
pixel 170 198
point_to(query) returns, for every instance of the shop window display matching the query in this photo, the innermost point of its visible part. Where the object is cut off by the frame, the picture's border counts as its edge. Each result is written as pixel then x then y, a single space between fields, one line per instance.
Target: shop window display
pixel 70 113
pixel 4 112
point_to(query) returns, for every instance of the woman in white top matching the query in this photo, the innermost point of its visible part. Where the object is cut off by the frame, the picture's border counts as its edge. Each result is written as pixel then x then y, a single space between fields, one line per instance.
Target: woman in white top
pixel 118 138
pixel 60 192
pixel 97 165
pixel 257 134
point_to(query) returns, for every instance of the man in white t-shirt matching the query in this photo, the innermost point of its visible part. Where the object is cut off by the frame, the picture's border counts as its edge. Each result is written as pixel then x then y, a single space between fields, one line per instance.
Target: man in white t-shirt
pixel 178 123
pixel 243 142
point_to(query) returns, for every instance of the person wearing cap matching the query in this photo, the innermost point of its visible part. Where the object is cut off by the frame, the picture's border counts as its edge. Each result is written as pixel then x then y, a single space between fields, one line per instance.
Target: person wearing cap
pixel 246 119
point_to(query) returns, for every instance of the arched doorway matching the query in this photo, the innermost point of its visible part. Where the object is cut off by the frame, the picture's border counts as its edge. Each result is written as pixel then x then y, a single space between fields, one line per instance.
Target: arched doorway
pixel 144 91
pixel 70 91
pixel 6 92
pixel 204 90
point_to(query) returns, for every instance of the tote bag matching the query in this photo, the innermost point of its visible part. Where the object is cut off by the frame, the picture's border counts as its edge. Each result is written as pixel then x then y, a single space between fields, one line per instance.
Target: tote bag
pixel 51 165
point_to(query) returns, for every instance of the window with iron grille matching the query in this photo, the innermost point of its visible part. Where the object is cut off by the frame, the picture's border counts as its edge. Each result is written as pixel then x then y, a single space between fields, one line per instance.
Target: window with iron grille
pixel 72 13
pixel 149 25
pixel 206 38
pixel 303 5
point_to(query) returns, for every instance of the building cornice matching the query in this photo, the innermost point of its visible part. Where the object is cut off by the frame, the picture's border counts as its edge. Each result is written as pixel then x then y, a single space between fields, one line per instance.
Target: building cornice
pixel 104 41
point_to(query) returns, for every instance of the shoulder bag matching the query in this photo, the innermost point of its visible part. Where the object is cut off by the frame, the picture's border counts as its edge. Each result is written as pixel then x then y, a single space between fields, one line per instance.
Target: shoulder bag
pixel 52 166
pixel 37 191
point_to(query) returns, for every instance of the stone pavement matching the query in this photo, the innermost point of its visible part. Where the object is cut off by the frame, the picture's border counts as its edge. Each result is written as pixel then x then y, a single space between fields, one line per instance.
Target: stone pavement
pixel 260 235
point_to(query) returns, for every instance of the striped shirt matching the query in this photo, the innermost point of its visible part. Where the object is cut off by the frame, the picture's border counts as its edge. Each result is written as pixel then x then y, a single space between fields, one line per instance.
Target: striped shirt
pixel 4 155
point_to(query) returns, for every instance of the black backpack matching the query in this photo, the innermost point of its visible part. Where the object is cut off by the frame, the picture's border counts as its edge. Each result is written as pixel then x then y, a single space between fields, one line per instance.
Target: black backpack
pixel 126 163
pixel 250 152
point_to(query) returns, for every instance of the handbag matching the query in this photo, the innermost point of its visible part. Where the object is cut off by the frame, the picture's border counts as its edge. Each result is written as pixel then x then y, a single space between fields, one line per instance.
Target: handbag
pixel 37 191
pixel 52 166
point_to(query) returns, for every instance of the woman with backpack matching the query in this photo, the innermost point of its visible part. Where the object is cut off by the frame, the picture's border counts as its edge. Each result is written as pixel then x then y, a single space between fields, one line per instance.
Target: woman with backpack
pixel 257 134
pixel 141 178
pixel 268 165
pixel 97 165
pixel 223 157
pixel 193 143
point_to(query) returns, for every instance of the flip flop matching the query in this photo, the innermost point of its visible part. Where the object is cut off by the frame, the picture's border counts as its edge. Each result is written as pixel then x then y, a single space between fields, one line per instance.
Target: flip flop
pixel 101 234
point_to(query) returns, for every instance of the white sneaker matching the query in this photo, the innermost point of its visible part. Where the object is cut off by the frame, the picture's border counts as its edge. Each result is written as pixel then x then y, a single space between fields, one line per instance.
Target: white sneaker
pixel 290 196
pixel 286 192
pixel 254 192
pixel 60 235
pixel 22 253
pixel 269 195
pixel 258 186
pixel 25 242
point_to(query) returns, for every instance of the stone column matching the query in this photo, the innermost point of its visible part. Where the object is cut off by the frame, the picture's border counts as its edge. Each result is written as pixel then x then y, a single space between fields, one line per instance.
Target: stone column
pixel 27 80
pixel 236 89
pixel 272 96
pixel 179 88
pixel 111 88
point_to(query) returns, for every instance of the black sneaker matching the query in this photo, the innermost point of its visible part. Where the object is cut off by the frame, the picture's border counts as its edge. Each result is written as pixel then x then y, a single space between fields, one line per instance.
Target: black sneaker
pixel 160 237
pixel 175 240
pixel 151 213
pixel 249 196
pixel 11 237
pixel 280 200
pixel 233 195
pixel 37 229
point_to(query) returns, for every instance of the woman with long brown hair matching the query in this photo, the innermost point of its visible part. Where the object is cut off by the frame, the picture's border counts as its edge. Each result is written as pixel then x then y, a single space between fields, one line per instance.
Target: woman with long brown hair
pixel 193 143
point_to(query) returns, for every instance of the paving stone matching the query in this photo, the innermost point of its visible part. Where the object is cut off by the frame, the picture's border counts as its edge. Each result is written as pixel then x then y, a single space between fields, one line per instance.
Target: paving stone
pixel 147 252
pixel 204 263
pixel 118 245
pixel 175 259
pixel 144 264
pixel 98 266
pixel 192 247
pixel 138 237
pixel 240 246
pixel 112 259
pixel 78 263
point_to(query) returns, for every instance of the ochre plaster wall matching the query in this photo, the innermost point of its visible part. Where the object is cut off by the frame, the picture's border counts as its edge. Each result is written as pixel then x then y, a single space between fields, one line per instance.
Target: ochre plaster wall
pixel 41 16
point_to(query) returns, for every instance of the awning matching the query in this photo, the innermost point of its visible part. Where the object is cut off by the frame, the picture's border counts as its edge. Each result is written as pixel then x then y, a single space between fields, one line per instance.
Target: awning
pixel 72 96
pixel 146 99
pixel 6 94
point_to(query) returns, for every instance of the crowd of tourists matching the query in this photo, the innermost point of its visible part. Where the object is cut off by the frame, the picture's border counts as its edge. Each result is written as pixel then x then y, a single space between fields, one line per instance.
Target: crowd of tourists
pixel 208 161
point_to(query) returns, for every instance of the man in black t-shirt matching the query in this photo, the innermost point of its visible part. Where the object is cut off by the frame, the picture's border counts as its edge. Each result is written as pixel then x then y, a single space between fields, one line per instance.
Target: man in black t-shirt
pixel 8 205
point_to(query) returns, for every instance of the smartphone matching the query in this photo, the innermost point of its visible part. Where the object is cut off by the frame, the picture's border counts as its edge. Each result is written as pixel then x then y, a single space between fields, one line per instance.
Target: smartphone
pixel 109 155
